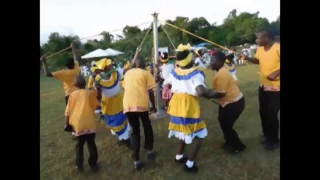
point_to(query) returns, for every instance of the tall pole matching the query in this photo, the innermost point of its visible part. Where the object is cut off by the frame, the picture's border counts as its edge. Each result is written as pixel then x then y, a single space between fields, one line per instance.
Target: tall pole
pixel 160 113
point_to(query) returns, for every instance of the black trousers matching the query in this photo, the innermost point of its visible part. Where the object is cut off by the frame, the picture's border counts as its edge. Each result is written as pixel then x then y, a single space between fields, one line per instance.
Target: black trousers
pixel 92 148
pixel 269 106
pixel 134 121
pixel 66 99
pixel 228 115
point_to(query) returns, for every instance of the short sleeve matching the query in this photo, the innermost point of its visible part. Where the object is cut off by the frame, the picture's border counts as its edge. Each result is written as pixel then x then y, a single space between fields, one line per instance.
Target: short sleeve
pixel 257 53
pixel 198 80
pixel 151 83
pixel 220 82
pixel 61 75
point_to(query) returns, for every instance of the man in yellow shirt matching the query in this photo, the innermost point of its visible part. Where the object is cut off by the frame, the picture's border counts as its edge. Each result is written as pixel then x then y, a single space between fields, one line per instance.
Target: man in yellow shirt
pixel 67 76
pixel 231 102
pixel 268 56
pixel 137 82
pixel 81 117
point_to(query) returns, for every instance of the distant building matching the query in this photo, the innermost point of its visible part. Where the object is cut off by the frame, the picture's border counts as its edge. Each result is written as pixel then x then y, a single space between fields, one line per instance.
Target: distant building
pixel 277 38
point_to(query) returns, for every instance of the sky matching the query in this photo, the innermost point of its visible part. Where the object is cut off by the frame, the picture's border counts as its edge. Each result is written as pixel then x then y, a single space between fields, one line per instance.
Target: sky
pixel 90 17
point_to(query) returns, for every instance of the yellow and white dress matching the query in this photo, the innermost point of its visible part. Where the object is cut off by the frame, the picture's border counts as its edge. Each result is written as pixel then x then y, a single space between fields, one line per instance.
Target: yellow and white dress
pixel 184 107
pixel 112 107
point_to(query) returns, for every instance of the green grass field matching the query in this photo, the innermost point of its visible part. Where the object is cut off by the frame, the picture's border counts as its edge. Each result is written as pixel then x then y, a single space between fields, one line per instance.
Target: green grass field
pixel 57 149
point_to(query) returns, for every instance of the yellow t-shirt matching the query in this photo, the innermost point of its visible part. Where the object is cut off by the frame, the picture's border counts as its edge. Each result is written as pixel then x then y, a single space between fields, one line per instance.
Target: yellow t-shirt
pixel 80 109
pixel 67 77
pixel 91 82
pixel 269 62
pixel 136 84
pixel 223 82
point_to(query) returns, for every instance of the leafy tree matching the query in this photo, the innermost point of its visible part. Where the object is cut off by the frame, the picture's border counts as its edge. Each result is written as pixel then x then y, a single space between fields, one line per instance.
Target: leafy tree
pixel 236 29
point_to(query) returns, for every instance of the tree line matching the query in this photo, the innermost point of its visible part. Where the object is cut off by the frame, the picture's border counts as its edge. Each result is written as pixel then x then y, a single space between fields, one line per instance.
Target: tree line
pixel 235 30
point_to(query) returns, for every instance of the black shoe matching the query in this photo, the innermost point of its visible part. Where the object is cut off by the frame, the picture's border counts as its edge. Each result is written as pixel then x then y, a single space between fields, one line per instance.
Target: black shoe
pixel 271 146
pixel 151 156
pixel 95 168
pixel 233 149
pixel 139 166
pixel 183 160
pixel 80 169
pixel 193 169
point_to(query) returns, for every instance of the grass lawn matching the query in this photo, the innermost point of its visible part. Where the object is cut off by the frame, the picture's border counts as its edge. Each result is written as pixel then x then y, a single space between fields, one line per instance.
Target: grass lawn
pixel 57 149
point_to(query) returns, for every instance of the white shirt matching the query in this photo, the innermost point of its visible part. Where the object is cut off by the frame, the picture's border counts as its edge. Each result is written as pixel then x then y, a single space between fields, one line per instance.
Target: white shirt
pixel 166 70
pixel 186 86
pixel 200 63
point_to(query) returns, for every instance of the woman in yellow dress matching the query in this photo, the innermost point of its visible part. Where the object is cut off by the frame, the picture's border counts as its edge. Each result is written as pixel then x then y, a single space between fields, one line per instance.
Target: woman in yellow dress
pixel 112 97
pixel 187 83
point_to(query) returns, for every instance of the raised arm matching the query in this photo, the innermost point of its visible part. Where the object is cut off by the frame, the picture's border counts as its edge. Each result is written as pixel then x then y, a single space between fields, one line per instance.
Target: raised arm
pixel 74 52
pixel 45 67
pixel 132 62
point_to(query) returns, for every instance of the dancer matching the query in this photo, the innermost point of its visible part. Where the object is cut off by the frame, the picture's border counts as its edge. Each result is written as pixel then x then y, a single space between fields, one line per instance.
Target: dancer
pixel 68 75
pixel 231 102
pixel 166 68
pixel 268 56
pixel 137 81
pixel 94 71
pixel 230 65
pixel 112 101
pixel 80 116
pixel 199 62
pixel 187 83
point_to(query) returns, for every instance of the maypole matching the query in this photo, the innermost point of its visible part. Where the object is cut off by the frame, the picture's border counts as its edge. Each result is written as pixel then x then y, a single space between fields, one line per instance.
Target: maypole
pixel 160 113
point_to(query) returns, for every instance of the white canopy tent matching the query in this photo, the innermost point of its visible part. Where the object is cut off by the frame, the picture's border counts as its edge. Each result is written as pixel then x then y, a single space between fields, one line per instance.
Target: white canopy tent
pixel 95 54
pixel 101 53
pixel 113 52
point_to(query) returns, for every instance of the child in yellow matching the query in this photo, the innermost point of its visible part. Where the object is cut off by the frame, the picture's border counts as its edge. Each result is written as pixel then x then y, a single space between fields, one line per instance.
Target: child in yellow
pixel 111 101
pixel 81 117
pixel 231 102
pixel 67 75
pixel 187 83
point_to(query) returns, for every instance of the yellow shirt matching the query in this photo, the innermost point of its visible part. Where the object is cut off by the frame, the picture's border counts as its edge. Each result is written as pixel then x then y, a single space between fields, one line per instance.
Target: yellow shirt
pixel 127 65
pixel 269 62
pixel 67 77
pixel 223 82
pixel 136 83
pixel 80 109
pixel 91 82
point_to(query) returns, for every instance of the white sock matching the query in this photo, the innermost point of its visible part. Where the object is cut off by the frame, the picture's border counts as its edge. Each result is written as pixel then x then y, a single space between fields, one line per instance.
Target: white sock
pixel 190 164
pixel 136 162
pixel 179 156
